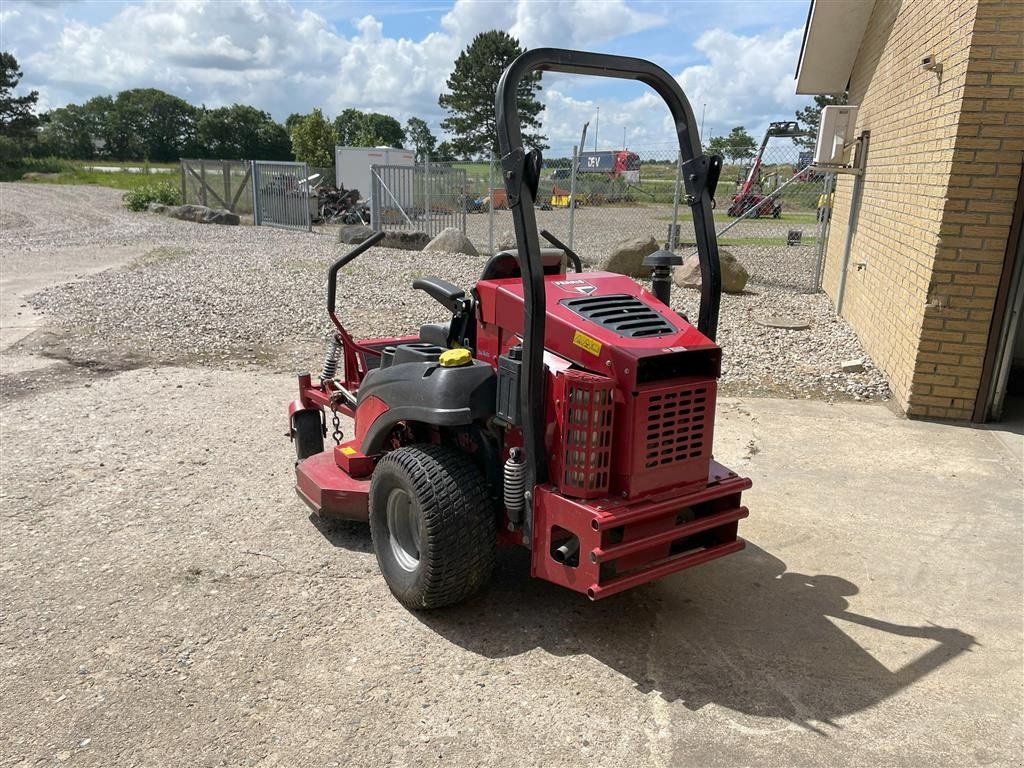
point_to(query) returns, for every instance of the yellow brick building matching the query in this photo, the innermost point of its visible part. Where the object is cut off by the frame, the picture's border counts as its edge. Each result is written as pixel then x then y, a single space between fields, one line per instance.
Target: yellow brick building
pixel 931 254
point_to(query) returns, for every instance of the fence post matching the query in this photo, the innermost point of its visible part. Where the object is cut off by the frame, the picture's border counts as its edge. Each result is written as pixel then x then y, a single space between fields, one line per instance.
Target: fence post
pixel 183 172
pixel 572 194
pixel 490 205
pixel 374 201
pixel 825 214
pixel 426 194
pixel 202 176
pixel 673 242
pixel 225 170
pixel 254 174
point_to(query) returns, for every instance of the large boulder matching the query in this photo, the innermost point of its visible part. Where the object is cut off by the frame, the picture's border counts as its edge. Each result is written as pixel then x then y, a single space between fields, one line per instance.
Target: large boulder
pixel 734 274
pixel 406 241
pixel 451 240
pixel 627 257
pixel 507 241
pixel 200 214
pixel 353 234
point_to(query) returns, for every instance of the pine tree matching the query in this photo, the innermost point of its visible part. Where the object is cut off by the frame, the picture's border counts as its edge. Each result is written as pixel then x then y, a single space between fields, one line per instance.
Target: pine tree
pixel 17 119
pixel 470 98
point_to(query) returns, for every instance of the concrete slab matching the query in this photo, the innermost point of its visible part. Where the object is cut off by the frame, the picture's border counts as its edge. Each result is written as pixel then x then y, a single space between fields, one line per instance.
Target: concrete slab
pixel 167 602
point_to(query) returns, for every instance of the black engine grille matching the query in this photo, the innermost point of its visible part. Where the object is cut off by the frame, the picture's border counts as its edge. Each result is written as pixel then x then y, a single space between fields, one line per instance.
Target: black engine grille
pixel 621 313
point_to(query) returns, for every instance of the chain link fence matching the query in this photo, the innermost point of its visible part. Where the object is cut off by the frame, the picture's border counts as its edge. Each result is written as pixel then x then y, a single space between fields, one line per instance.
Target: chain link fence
pixel 774 225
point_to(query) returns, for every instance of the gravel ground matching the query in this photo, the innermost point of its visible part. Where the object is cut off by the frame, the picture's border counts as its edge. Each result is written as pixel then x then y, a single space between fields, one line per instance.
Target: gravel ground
pixel 770 266
pixel 235 295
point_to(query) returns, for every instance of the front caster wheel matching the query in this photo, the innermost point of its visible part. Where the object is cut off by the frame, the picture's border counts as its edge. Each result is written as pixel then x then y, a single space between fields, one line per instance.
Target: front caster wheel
pixel 433 525
pixel 308 434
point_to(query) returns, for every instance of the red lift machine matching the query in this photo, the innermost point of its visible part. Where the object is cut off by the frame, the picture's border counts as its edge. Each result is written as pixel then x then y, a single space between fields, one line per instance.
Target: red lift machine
pixel 572 414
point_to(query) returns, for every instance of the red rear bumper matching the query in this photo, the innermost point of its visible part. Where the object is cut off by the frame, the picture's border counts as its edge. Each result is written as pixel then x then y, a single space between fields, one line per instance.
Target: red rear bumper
pixel 623 544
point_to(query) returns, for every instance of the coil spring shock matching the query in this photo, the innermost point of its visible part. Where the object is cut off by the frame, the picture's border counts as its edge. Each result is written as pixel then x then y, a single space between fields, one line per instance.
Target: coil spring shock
pixel 515 485
pixel 331 360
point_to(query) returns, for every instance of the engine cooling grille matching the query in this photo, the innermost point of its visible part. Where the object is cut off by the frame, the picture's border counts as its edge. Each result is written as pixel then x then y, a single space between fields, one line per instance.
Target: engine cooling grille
pixel 675 427
pixel 588 404
pixel 621 313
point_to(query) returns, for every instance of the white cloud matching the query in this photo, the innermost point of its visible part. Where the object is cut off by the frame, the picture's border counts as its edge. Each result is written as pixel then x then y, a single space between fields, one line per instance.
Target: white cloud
pixel 285 59
pixel 747 80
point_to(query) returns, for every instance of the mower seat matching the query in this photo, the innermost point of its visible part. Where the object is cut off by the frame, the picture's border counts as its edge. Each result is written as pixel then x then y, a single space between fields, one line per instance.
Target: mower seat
pixel 435 333
pixel 506 264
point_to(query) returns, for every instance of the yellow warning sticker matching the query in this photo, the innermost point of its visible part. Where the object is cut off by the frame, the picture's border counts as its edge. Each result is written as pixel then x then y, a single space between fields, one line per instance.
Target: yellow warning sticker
pixel 581 340
pixel 348 450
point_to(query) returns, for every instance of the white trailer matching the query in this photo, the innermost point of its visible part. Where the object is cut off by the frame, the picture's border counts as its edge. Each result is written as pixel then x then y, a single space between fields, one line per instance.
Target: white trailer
pixel 352 165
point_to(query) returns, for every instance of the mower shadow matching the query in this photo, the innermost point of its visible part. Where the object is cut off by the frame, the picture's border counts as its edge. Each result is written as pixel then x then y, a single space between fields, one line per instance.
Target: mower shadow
pixel 742 632
pixel 349 534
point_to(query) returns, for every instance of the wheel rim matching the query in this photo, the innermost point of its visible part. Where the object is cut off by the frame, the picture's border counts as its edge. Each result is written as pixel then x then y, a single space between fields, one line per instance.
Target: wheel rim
pixel 403 530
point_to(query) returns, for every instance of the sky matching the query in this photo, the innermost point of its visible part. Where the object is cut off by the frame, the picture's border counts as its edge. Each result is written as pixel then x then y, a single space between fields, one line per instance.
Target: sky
pixel 734 60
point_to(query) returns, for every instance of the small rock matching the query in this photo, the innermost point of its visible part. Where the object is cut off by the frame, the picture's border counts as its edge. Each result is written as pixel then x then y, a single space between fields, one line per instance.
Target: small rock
pixel 786 323
pixel 852 366
pixel 451 240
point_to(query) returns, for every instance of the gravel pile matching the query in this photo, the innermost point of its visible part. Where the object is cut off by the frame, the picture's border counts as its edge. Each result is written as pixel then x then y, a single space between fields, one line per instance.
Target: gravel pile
pixel 234 296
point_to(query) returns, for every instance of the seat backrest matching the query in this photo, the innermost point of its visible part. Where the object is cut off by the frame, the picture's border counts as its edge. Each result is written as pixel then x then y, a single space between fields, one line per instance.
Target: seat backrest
pixel 506 264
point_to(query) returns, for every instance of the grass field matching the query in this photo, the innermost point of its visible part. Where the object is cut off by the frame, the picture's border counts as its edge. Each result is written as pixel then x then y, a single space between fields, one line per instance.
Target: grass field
pixel 57 171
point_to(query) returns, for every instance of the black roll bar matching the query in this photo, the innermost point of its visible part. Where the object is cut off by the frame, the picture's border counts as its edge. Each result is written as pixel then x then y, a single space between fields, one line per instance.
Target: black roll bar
pixel 519 172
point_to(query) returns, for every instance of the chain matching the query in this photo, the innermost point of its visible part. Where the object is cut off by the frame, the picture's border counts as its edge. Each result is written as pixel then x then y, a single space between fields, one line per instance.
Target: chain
pixel 336 423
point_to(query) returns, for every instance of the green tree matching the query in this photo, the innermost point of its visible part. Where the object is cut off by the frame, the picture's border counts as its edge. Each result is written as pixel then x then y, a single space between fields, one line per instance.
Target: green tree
pixel 347 126
pixel 445 153
pixel 368 129
pixel 148 124
pixel 313 140
pixel 77 131
pixel 810 116
pixel 470 98
pixel 292 120
pixel 242 132
pixel 419 135
pixel 737 145
pixel 18 120
pixel 379 130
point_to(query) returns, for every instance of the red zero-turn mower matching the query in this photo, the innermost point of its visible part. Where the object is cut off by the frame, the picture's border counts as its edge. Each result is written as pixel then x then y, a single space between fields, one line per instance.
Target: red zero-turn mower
pixel 570 414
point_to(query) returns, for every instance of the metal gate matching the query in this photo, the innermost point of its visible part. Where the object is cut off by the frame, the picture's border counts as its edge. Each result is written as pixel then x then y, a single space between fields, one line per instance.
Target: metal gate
pixel 427 198
pixel 280 195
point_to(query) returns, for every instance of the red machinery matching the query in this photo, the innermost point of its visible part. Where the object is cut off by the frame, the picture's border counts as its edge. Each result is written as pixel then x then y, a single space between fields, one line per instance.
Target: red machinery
pixel 748 197
pixel 569 413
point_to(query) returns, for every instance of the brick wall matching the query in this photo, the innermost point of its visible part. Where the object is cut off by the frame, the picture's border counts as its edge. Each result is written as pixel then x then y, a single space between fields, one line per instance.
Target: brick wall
pixel 976 218
pixel 937 193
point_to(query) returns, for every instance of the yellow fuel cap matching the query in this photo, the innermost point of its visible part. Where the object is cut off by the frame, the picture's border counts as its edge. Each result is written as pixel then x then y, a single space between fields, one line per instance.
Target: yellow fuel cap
pixel 453 358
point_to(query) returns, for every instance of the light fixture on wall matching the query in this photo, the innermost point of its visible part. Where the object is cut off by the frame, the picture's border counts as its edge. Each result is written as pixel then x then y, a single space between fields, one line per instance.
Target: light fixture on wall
pixel 929 64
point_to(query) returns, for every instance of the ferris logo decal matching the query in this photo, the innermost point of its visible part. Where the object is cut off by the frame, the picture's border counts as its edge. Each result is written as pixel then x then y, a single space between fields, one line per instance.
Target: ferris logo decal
pixel 576 286
pixel 581 340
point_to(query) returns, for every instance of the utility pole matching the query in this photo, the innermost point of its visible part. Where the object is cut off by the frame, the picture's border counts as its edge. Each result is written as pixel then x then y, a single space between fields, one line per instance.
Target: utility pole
pixel 623 137
pixel 703 109
pixel 597 125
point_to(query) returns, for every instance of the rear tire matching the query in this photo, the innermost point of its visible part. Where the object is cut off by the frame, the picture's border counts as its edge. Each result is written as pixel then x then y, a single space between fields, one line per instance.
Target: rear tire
pixel 308 434
pixel 433 525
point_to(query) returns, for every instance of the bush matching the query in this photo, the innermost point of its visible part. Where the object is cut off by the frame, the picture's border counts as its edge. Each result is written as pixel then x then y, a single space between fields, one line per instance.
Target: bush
pixel 162 192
